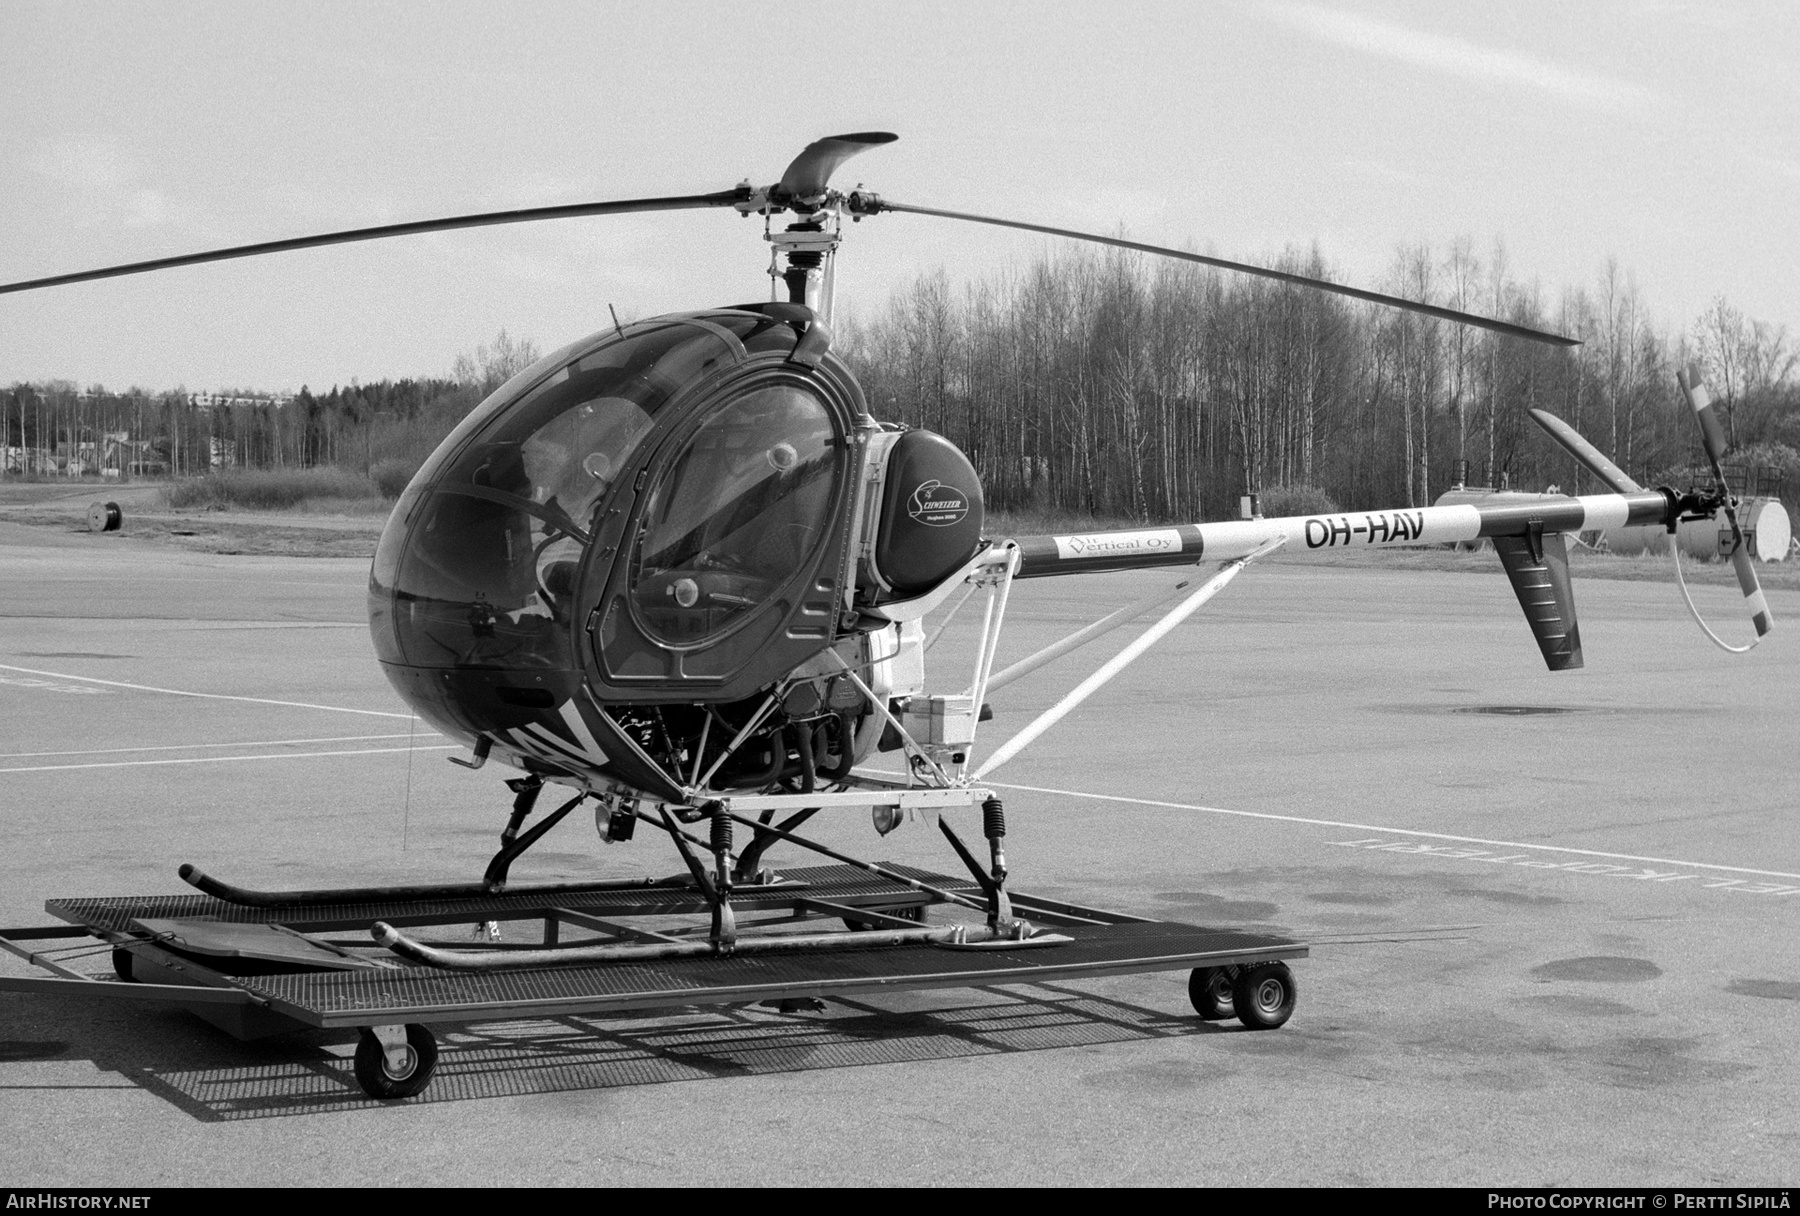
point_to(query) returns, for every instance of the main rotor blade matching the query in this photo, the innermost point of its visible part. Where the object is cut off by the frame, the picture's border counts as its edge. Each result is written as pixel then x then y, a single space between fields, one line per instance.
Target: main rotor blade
pixel 1585 452
pixel 721 198
pixel 810 174
pixel 1280 276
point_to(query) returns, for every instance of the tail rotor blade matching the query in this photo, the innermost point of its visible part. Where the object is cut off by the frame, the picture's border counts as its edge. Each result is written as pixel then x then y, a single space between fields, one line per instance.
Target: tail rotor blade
pixel 1589 455
pixel 1742 562
pixel 1712 435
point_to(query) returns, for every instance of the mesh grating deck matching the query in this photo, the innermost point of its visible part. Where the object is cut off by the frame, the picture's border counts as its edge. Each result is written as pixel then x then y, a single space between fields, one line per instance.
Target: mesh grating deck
pixel 417 994
pixel 411 992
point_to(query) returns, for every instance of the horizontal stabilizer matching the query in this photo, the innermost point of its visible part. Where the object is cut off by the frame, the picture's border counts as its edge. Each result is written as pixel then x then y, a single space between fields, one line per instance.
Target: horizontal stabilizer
pixel 1538 566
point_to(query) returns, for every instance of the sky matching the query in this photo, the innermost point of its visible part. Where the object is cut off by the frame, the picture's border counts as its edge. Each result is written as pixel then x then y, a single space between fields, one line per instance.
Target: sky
pixel 1665 135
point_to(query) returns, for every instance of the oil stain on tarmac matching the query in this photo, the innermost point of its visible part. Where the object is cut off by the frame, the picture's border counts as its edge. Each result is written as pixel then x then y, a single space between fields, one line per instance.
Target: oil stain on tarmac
pixel 1352 898
pixel 1582 1006
pixel 1773 990
pixel 1599 969
pixel 1219 908
pixel 1514 898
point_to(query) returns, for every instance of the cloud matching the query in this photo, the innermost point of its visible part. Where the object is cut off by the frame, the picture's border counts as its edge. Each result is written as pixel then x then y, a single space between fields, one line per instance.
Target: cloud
pixel 103 181
pixel 1774 164
pixel 89 161
pixel 1462 58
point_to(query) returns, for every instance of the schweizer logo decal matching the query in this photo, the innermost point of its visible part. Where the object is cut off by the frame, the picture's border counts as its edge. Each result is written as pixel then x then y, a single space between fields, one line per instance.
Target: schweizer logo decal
pixel 938 505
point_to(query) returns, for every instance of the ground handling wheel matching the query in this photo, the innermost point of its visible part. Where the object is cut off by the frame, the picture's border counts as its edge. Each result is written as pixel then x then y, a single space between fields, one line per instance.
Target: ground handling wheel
pixel 1264 996
pixel 121 961
pixel 1209 989
pixel 398 1072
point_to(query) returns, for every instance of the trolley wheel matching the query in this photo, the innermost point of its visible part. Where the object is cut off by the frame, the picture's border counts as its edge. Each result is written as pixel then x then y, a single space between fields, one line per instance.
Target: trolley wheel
pixel 380 1079
pixel 1209 989
pixel 1264 996
pixel 121 961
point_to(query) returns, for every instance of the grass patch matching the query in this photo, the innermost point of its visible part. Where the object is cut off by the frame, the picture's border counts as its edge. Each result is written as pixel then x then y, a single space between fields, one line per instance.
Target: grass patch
pixel 325 489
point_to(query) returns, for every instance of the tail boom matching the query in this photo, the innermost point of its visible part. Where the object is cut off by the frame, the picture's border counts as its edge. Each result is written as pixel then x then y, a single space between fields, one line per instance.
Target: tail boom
pixel 1185 544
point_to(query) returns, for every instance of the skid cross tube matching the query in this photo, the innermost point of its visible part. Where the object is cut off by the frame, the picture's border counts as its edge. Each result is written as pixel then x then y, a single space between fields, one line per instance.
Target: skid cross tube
pixel 495 877
pixel 746 864
pixel 654 821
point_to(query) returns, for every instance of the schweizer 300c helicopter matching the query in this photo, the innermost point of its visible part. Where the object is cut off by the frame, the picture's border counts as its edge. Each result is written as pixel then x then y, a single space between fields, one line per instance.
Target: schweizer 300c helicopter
pixel 678 569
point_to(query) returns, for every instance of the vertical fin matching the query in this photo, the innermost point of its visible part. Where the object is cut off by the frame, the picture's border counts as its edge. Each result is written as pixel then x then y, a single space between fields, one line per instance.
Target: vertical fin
pixel 1538 567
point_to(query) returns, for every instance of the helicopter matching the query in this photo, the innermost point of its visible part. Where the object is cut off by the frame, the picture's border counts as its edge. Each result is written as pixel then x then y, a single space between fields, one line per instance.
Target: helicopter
pixel 678 569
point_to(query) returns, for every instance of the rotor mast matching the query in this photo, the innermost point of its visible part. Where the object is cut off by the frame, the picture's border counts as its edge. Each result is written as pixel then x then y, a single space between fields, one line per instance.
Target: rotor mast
pixel 810 247
pixel 809 244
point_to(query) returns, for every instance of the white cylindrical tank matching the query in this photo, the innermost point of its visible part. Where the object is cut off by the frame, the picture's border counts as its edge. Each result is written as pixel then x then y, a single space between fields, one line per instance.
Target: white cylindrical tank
pixel 1767 532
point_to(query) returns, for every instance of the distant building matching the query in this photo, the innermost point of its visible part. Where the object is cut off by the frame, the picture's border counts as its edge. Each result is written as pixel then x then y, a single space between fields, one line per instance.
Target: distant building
pixel 29 460
pixel 218 401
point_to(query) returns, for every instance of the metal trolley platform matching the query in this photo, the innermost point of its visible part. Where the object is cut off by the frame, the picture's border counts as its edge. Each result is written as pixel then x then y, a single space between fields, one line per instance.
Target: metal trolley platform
pixel 257 964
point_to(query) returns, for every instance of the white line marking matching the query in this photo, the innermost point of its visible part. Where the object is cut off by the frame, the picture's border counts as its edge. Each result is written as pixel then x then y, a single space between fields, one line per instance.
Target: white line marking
pixel 211 696
pixel 194 747
pixel 366 751
pixel 53 686
pixel 1710 882
pixel 1370 827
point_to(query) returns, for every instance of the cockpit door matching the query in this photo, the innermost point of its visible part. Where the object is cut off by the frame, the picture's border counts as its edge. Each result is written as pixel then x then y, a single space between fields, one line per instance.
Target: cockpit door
pixel 728 567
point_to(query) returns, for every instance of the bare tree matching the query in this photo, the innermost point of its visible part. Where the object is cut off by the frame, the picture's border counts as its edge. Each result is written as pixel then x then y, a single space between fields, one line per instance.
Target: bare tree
pixel 493 365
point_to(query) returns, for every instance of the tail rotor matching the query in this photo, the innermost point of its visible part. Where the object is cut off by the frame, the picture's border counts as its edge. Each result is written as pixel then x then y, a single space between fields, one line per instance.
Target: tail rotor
pixel 1690 505
pixel 1712 438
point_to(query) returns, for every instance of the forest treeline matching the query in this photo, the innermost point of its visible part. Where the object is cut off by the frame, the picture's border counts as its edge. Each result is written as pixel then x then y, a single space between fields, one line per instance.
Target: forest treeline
pixel 382 431
pixel 1118 385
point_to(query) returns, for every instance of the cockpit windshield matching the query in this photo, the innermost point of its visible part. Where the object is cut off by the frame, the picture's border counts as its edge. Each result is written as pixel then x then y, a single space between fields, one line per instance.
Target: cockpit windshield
pixel 489 570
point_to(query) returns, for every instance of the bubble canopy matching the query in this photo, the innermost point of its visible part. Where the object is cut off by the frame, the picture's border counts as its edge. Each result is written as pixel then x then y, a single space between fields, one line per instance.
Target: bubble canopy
pixel 644 511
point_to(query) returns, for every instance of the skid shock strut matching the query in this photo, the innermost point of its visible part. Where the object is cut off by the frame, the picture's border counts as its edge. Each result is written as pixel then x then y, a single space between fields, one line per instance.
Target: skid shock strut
pixel 993 880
